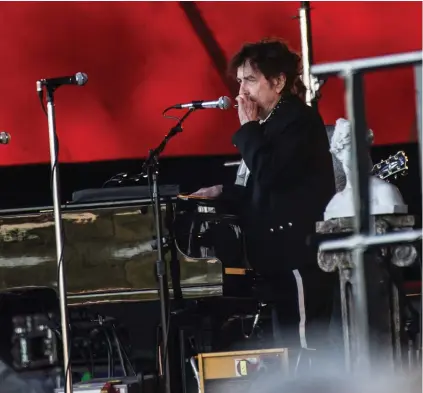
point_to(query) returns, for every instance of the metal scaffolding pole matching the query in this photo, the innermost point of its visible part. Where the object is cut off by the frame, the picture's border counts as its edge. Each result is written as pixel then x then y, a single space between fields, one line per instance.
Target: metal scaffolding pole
pixel 367 64
pixel 354 98
pixel 306 50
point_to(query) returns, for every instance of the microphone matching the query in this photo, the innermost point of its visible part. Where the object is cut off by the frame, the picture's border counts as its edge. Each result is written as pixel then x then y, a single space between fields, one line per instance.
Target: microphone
pixel 4 138
pixel 80 79
pixel 222 103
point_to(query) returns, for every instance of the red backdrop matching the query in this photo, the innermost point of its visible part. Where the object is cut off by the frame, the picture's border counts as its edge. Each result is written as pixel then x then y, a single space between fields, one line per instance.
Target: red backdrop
pixel 143 57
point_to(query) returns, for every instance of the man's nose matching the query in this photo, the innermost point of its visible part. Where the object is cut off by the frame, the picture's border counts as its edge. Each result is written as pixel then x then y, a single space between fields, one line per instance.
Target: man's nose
pixel 243 90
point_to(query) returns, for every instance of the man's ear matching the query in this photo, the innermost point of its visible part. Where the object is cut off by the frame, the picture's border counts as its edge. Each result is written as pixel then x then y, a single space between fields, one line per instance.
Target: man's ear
pixel 280 82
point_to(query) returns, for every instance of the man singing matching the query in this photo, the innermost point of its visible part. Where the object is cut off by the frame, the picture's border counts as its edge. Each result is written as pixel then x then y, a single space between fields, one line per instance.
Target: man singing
pixel 283 186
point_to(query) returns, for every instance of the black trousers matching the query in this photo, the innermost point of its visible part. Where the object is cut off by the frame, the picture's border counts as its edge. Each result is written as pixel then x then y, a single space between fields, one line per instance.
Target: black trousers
pixel 301 301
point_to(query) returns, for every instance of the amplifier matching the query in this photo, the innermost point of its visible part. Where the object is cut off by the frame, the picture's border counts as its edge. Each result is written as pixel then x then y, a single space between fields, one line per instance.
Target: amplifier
pixel 116 385
pixel 229 371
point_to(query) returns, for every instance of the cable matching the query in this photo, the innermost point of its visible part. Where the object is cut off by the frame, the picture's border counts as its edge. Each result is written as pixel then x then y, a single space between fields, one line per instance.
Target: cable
pixel 41 97
pixel 110 353
pixel 170 117
pixel 54 167
pixel 115 178
pixel 124 176
pixel 167 338
pixel 122 352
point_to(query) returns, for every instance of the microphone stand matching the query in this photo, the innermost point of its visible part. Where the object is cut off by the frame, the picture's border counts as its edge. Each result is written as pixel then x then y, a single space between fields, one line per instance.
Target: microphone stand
pixel 150 167
pixel 58 227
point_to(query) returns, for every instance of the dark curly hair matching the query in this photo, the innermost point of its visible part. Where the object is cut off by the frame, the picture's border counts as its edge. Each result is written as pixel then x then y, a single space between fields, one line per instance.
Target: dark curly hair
pixel 272 57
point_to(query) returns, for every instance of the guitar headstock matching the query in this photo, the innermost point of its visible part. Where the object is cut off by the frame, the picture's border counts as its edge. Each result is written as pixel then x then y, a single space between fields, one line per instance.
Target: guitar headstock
pixel 393 166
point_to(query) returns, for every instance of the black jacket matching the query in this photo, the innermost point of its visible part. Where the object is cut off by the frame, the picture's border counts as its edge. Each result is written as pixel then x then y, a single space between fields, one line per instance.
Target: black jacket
pixel 290 184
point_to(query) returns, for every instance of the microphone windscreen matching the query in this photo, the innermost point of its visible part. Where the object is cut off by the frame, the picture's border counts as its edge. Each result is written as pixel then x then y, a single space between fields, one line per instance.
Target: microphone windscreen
pixel 4 138
pixel 224 102
pixel 81 78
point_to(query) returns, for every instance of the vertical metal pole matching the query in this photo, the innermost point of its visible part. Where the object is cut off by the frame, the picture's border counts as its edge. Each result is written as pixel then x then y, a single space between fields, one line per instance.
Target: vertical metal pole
pixel 418 84
pixel 306 49
pixel 58 228
pixel 360 185
pixel 161 271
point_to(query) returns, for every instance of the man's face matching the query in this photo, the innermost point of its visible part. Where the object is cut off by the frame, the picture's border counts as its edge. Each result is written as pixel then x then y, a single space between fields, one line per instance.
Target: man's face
pixel 253 84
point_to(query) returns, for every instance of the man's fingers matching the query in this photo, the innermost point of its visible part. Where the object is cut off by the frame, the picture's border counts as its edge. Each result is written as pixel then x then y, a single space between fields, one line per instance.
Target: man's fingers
pixel 198 192
pixel 241 98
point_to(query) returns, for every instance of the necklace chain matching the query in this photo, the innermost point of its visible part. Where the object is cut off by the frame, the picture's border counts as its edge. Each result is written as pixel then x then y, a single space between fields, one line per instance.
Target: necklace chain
pixel 273 111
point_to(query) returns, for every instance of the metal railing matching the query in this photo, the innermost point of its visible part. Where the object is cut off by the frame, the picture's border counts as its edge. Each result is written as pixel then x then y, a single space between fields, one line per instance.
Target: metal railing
pixel 352 74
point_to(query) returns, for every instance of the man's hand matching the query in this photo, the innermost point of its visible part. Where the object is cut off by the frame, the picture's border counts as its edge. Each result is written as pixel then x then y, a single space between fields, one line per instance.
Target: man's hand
pixel 209 192
pixel 247 109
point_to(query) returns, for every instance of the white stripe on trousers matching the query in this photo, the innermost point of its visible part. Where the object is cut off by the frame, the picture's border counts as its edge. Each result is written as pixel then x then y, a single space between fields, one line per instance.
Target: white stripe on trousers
pixel 301 307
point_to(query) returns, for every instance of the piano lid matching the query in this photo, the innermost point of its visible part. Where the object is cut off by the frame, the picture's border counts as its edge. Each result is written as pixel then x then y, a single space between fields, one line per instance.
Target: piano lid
pixel 127 193
pixel 101 198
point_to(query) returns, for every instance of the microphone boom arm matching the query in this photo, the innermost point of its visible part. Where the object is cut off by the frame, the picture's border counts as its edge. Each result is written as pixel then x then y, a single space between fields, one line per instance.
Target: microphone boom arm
pixel 153 157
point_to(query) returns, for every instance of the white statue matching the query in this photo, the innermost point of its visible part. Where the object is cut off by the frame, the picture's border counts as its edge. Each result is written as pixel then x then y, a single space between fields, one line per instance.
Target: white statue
pixel 385 198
